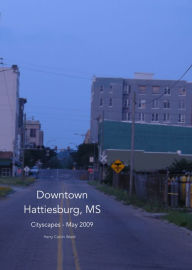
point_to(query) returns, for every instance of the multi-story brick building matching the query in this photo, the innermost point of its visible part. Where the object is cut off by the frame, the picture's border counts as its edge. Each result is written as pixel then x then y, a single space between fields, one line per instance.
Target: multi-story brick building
pixel 33 134
pixel 11 120
pixel 166 102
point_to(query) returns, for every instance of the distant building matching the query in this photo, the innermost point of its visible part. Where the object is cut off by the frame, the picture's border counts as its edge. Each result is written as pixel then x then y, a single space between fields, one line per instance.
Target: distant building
pixel 21 121
pixel 33 134
pixel 11 114
pixel 87 137
pixel 167 102
pixel 156 146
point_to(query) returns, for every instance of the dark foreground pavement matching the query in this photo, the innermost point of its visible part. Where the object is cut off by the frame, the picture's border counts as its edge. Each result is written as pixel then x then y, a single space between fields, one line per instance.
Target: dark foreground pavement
pixel 121 238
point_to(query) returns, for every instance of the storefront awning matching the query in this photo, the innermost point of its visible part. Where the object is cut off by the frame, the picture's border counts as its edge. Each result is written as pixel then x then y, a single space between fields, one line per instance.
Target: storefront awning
pixel 5 162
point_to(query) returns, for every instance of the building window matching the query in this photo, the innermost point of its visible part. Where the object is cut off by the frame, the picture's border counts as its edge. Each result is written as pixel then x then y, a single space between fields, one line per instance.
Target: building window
pixel 110 102
pixel 167 91
pixel 101 102
pixel 181 104
pixel 166 117
pixel 110 89
pixel 126 116
pixel 155 117
pixel 127 89
pixel 155 104
pixel 141 116
pixel 166 104
pixel 155 89
pixel 33 132
pixel 142 89
pixel 142 104
pixel 101 88
pixel 126 103
pixel 181 118
pixel 5 172
pixel 182 91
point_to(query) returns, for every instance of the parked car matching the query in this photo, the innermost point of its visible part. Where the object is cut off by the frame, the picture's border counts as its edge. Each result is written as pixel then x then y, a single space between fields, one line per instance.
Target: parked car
pixel 34 171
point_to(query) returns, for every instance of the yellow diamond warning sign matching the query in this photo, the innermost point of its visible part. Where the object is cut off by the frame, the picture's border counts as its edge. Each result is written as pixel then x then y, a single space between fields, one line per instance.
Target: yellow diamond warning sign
pixel 118 166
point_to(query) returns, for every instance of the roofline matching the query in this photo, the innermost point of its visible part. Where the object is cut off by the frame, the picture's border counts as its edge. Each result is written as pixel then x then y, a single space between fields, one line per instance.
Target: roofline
pixel 146 152
pixel 140 123
pixel 136 79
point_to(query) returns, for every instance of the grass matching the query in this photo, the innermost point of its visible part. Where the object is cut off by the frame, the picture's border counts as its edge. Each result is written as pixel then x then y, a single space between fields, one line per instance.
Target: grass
pixel 122 195
pixel 4 191
pixel 179 217
pixel 17 181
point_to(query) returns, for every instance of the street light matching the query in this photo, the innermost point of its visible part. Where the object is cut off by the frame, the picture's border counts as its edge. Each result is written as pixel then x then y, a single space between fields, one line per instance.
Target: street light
pixel 53 140
pixel 78 134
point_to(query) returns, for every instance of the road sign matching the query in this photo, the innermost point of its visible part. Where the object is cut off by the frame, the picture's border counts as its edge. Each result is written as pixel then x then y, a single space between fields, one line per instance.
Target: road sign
pixel 103 158
pixel 91 159
pixel 90 170
pixel 118 166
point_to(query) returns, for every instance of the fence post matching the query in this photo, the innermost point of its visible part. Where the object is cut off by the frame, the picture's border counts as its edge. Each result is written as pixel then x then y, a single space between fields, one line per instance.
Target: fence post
pixel 183 188
pixel 115 180
pixel 188 191
pixel 191 191
pixel 174 192
pixel 166 188
pixel 177 191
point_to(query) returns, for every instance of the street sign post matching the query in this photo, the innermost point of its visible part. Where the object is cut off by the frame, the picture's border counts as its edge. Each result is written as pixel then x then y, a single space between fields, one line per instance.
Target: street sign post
pixel 118 166
pixel 91 159
pixel 103 159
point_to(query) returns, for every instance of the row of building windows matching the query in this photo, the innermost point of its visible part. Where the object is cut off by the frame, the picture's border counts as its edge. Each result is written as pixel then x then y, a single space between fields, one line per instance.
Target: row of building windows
pixel 155 117
pixel 155 90
pixel 155 104
pixel 142 103
pixel 142 89
pixel 102 88
pixel 33 132
pixel 166 90
pixel 166 117
pixel 101 103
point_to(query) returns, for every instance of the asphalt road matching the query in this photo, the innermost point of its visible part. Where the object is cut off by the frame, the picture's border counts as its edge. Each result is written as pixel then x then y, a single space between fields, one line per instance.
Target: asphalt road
pixel 121 237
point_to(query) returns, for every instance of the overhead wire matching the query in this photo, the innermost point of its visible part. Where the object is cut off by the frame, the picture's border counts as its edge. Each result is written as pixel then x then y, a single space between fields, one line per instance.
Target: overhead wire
pixel 171 86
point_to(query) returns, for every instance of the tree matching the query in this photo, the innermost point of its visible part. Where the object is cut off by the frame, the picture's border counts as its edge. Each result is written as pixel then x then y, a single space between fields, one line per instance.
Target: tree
pixel 84 152
pixel 39 155
pixel 181 166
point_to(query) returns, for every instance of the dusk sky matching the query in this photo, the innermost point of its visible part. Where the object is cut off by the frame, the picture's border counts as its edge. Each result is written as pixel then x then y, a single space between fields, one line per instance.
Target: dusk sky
pixel 59 45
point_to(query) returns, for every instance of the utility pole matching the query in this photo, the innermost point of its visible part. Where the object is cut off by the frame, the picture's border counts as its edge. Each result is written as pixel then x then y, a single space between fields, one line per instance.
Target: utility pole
pixel 132 144
pixel 23 143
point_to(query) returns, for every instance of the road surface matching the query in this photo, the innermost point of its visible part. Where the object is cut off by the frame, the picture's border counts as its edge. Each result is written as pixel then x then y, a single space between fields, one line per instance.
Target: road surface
pixel 121 238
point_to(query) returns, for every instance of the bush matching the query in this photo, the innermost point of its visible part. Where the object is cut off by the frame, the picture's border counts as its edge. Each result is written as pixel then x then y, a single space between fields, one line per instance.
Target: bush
pixel 180 166
pixel 4 191
pixel 17 181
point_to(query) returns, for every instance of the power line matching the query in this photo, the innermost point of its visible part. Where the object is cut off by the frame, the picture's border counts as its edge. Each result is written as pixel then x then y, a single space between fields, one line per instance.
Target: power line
pixel 42 69
pixel 48 67
pixel 56 73
pixel 173 84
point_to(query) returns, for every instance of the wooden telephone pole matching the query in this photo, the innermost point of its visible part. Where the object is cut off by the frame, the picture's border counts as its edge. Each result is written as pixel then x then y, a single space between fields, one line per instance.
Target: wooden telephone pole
pixel 132 145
